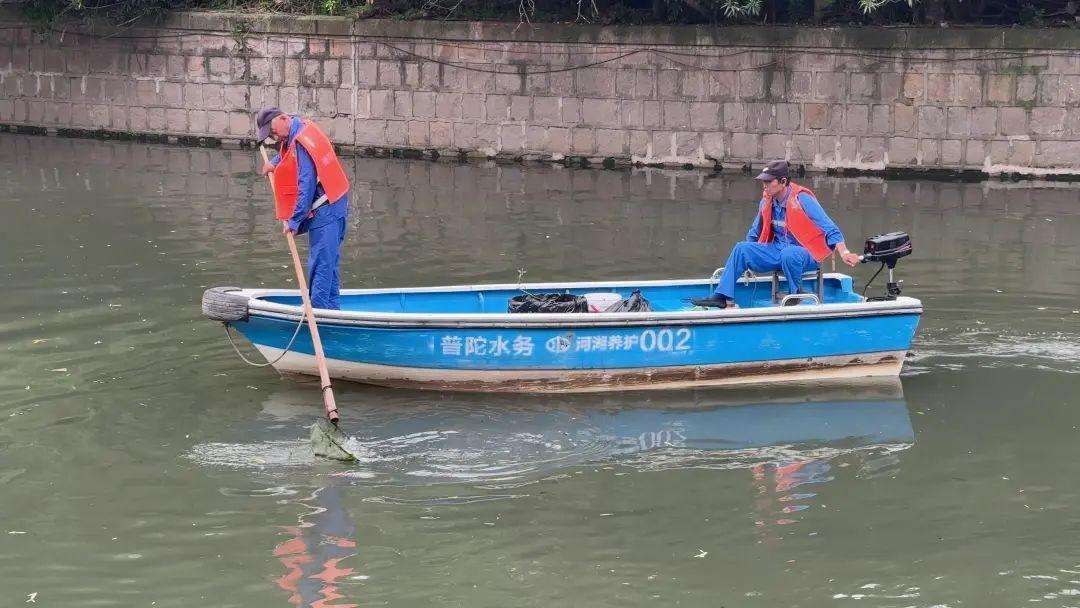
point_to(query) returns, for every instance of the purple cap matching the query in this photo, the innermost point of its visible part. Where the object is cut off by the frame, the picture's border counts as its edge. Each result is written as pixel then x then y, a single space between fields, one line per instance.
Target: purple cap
pixel 776 169
pixel 262 121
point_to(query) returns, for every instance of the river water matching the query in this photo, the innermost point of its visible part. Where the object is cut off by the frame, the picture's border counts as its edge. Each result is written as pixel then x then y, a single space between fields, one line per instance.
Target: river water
pixel 143 464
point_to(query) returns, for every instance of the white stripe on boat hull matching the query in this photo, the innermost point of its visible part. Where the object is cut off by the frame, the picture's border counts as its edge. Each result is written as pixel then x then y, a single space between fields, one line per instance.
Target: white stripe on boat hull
pixel 586 381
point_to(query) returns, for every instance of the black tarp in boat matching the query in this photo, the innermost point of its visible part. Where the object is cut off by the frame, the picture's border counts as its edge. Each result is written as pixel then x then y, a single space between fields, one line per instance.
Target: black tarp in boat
pixel 548 302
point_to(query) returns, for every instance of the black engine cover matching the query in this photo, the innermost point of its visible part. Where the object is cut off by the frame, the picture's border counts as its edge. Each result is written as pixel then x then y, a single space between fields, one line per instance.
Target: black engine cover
pixel 887 247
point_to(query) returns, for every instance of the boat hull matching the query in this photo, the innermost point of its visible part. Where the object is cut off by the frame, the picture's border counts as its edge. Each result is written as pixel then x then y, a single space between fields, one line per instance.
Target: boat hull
pixel 811 369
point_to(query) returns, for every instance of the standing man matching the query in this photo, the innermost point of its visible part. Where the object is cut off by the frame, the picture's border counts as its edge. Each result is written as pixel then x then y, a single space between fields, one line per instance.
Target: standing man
pixel 312 196
pixel 791 233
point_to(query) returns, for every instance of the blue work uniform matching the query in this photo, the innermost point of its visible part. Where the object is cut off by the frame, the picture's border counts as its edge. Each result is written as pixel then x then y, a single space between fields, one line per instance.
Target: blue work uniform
pixel 783 253
pixel 325 230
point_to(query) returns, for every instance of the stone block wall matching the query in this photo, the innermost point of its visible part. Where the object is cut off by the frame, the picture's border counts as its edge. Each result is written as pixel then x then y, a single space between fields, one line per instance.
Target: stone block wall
pixel 996 101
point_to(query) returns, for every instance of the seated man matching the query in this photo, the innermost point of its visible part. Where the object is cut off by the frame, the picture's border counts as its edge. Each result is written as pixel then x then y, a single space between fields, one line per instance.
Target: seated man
pixel 791 233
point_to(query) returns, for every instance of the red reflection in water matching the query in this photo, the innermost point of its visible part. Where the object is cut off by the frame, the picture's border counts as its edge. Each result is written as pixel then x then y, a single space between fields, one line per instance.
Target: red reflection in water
pixel 774 480
pixel 313 554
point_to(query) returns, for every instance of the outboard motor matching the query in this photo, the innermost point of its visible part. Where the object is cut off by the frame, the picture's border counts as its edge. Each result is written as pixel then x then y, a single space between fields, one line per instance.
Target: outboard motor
pixel 887 249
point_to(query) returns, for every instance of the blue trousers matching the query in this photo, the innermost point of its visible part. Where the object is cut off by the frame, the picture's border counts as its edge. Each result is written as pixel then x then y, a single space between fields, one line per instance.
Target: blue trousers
pixel 792 260
pixel 324 259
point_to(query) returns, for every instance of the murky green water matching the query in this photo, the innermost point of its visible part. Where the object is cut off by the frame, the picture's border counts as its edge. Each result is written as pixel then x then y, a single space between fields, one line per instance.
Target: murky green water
pixel 142 464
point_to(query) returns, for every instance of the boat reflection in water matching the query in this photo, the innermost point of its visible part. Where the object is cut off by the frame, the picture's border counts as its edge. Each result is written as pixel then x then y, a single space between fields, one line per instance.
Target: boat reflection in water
pixel 421 437
pixel 787 441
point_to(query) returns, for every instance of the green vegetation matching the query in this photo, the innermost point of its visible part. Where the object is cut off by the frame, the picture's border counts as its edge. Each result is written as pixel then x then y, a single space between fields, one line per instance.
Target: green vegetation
pixel 876 12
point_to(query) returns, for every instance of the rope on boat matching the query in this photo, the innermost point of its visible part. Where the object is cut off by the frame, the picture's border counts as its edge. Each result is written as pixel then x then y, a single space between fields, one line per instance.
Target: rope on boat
pixel 521 281
pixel 268 363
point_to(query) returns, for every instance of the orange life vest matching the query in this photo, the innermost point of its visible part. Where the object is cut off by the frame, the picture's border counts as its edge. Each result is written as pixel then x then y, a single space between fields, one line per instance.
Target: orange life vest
pixel 328 170
pixel 805 231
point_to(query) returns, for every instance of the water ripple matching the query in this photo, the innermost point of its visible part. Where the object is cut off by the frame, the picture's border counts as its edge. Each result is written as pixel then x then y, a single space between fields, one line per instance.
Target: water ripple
pixel 951 349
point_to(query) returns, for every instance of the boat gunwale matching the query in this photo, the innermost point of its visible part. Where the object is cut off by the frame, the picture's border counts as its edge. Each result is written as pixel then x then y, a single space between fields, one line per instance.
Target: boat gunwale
pixel 260 307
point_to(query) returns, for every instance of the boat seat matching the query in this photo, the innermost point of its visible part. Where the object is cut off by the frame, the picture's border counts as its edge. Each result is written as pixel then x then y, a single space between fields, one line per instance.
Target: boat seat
pixel 819 291
pixel 776 298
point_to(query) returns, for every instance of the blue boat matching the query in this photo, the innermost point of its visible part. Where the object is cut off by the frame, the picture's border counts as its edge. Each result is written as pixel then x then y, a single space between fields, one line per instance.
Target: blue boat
pixel 463 338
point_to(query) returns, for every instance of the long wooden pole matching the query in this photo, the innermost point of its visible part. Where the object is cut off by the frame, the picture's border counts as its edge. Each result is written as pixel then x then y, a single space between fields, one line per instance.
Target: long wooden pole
pixel 301 281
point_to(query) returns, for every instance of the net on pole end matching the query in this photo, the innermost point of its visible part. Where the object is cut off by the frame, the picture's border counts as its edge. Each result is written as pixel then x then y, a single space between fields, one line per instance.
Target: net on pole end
pixel 328 441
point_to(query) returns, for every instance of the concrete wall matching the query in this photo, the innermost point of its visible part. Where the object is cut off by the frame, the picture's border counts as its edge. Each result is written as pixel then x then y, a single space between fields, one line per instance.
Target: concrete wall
pixel 996 101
